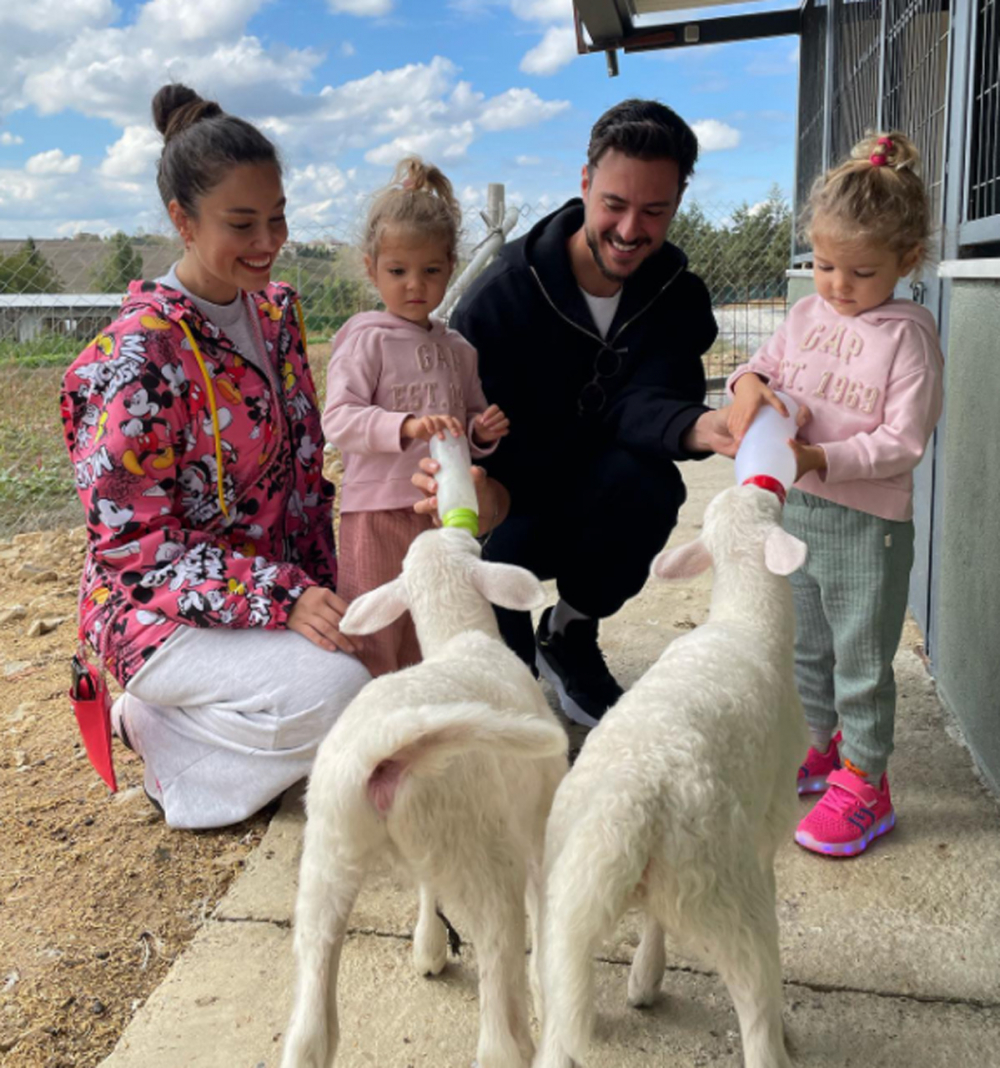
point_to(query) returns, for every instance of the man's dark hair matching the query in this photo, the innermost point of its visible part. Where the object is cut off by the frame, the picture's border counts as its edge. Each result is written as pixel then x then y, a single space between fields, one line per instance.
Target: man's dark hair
pixel 646 130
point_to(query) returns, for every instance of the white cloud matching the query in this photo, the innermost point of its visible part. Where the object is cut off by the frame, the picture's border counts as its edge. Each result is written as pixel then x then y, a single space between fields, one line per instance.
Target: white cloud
pixel 714 136
pixel 527 161
pixel 112 72
pixel 60 16
pixel 444 143
pixel 91 62
pixel 7 138
pixel 53 162
pixel 554 51
pixel 543 10
pixel 347 49
pixel 133 153
pixel 365 8
pixel 17 189
pixel 518 107
pixel 194 20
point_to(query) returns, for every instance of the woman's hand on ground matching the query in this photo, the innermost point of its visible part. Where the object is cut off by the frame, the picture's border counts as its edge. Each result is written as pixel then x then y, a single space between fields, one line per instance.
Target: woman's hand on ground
pixel 317 615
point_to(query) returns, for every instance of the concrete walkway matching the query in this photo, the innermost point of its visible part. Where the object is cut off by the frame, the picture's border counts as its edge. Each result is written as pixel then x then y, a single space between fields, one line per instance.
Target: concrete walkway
pixel 891 959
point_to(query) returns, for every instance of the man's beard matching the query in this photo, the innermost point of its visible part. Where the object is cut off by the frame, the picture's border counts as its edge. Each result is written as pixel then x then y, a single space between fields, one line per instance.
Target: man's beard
pixel 595 250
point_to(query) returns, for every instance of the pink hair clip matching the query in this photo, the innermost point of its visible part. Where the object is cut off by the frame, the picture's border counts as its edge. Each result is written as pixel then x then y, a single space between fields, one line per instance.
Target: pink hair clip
pixel 880 159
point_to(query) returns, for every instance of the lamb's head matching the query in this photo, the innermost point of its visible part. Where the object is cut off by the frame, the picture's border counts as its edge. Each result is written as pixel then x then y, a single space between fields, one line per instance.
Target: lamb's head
pixel 743 525
pixel 447 588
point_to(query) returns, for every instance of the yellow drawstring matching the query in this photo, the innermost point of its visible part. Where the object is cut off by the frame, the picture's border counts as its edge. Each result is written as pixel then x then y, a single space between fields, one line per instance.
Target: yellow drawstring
pixel 215 414
pixel 211 397
pixel 302 325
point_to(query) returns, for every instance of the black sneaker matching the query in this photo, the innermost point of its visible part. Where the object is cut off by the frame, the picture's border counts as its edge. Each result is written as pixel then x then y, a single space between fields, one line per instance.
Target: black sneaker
pixel 574 664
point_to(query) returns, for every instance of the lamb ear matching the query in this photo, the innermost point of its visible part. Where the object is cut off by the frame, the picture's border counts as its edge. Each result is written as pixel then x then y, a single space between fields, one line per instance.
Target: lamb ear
pixel 508 586
pixel 376 609
pixel 783 553
pixel 684 562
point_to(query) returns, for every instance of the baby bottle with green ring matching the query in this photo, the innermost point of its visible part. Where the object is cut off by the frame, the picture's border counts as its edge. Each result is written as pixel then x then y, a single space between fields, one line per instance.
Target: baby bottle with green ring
pixel 458 505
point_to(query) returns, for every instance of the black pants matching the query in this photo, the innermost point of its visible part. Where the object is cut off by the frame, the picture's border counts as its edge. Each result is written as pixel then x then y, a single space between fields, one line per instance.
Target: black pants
pixel 596 536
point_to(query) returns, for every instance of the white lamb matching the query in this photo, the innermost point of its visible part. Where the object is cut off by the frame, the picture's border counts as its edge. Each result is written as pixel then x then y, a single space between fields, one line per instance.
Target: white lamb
pixel 449 767
pixel 682 794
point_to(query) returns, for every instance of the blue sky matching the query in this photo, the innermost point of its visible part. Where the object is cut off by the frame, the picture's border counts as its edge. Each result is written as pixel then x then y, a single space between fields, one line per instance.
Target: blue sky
pixel 490 90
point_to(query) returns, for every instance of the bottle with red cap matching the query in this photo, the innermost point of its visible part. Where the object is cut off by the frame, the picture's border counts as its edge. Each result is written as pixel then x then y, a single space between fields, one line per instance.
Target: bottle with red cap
pixel 764 457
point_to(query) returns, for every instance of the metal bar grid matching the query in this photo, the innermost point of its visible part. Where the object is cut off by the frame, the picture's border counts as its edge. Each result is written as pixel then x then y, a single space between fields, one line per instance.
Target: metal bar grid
pixel 809 162
pixel 916 84
pixel 984 170
pixel 857 25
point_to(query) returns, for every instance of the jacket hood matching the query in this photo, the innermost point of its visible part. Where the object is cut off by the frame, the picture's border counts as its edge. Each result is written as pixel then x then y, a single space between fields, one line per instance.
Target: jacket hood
pixel 164 302
pixel 900 309
pixel 387 321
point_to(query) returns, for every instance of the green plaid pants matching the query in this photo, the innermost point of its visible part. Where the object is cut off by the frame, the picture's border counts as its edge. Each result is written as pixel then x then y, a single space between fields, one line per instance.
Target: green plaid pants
pixel 850 603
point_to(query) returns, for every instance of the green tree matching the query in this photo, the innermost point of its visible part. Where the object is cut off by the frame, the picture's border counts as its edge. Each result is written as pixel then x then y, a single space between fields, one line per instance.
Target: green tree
pixel 702 242
pixel 759 248
pixel 27 271
pixel 121 265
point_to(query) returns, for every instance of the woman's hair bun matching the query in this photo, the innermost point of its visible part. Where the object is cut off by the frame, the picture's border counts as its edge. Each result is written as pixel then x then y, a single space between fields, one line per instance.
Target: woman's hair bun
pixel 176 107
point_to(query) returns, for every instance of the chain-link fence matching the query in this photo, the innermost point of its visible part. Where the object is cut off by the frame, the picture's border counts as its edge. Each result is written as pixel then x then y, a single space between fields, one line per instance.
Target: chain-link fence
pixel 55 295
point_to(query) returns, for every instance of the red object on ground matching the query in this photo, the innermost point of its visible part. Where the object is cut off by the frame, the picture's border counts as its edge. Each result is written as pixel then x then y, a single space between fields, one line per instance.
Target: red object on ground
pixel 92 707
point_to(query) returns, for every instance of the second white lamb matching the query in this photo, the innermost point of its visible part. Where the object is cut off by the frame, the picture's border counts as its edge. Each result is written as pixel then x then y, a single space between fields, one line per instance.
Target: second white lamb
pixel 681 795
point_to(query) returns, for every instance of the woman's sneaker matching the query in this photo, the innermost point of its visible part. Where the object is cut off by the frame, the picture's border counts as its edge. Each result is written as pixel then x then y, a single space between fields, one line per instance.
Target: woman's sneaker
pixel 817 766
pixel 848 817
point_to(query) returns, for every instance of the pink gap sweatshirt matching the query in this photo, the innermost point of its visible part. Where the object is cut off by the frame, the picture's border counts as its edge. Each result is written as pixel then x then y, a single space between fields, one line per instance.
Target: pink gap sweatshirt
pixel 873 385
pixel 383 369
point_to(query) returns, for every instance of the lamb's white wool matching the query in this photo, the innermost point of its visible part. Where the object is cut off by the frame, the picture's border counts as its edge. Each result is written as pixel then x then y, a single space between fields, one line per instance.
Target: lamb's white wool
pixel 448 767
pixel 682 794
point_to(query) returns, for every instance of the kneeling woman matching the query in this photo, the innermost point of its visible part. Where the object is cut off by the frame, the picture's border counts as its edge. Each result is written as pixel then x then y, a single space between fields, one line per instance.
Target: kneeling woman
pixel 208 588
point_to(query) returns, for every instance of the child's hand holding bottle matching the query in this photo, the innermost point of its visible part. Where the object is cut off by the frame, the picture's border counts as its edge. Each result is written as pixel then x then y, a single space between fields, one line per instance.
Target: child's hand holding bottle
pixel 426 427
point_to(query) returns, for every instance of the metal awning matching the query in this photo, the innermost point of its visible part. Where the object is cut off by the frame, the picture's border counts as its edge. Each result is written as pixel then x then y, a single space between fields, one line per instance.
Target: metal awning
pixel 644 25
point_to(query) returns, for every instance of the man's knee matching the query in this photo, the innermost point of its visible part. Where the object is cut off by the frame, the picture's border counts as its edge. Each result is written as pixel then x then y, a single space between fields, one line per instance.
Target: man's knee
pixel 620 480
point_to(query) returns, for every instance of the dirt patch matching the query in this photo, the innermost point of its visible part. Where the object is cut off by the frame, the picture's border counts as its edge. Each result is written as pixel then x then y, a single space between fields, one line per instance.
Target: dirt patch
pixel 97 895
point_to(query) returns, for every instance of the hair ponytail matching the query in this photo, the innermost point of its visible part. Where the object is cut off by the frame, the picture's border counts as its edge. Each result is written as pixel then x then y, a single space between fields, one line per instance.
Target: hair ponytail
pixel 875 196
pixel 420 199
pixel 201 142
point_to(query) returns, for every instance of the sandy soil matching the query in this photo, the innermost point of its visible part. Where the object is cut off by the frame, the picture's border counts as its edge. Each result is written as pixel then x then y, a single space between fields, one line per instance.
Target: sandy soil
pixel 97 896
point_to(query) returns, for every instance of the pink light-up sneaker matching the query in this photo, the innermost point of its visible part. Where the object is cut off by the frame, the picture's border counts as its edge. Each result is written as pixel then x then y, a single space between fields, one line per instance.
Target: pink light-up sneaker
pixel 817 766
pixel 849 816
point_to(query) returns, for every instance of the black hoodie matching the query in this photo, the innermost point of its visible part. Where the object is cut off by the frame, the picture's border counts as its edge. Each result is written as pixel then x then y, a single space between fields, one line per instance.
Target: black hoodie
pixel 538 350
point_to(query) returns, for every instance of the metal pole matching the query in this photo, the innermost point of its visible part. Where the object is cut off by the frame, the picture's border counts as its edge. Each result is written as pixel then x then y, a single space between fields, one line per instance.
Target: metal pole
pixel 501 223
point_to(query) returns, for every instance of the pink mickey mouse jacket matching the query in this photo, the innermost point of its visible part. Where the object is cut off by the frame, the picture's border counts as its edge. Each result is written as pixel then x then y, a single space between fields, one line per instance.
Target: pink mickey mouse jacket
pixel 873 385
pixel 200 475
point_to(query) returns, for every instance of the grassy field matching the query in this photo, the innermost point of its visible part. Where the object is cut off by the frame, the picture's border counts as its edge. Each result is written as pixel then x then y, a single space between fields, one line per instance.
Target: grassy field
pixel 36 482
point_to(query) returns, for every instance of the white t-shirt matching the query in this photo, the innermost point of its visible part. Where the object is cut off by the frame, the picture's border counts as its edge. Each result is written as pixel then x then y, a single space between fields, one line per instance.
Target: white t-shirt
pixel 602 310
pixel 233 319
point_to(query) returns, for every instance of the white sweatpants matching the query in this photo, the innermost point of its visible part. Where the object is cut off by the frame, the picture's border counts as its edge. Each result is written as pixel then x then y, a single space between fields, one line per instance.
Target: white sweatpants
pixel 225 720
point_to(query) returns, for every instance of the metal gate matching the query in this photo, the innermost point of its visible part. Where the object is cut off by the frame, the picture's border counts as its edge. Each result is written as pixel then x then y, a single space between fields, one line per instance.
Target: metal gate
pixel 884 66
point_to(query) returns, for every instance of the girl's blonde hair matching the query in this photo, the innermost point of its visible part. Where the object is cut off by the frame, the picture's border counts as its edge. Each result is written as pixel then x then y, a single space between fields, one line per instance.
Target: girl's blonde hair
pixel 875 197
pixel 419 199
